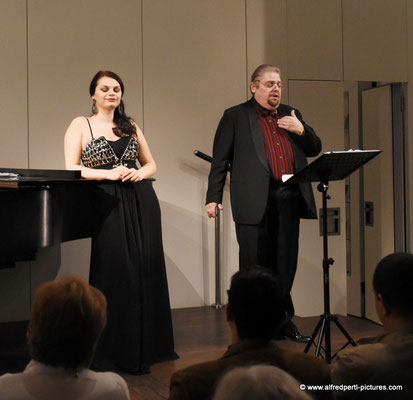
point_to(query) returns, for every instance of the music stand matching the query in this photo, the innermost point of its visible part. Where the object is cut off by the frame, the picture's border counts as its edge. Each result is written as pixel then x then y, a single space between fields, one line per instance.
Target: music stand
pixel 331 166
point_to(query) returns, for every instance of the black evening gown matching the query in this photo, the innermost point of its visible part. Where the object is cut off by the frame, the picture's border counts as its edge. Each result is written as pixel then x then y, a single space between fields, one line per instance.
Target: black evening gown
pixel 128 266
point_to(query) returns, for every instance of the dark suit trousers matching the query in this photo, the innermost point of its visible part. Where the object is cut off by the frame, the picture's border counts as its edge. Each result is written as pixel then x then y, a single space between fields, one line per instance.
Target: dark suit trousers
pixel 273 243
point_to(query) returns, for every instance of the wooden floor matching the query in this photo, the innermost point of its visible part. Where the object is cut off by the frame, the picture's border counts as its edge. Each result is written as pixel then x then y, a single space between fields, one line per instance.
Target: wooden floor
pixel 201 334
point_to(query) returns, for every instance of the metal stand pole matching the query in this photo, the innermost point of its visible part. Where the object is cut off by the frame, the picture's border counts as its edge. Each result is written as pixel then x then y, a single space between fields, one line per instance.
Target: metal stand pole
pixel 323 327
pixel 218 304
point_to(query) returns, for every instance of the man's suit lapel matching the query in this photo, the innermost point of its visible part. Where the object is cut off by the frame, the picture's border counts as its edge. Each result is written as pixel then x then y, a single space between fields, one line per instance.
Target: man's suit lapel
pixel 256 134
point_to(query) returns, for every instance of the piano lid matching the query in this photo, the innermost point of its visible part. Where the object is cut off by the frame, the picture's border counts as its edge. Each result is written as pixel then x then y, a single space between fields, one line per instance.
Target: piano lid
pixel 44 173
pixel 38 177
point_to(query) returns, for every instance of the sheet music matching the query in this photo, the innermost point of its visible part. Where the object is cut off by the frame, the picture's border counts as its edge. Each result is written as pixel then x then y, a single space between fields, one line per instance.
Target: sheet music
pixel 349 151
pixel 285 177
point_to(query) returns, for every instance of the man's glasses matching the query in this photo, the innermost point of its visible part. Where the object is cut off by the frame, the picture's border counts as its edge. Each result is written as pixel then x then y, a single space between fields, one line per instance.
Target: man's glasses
pixel 271 84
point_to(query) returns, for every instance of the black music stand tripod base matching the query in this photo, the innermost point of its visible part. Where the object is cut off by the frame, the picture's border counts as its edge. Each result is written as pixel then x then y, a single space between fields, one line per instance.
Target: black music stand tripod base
pixel 323 328
pixel 330 166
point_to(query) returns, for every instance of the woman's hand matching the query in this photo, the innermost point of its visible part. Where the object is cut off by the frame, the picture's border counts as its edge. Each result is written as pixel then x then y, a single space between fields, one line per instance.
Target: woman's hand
pixel 133 175
pixel 117 173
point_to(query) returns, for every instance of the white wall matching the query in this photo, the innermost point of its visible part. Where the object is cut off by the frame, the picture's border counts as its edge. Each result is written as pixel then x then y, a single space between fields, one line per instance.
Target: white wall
pixel 375 40
pixel 68 42
pixel 14 283
pixel 409 18
pixel 185 44
pixel 13 68
pixel 326 110
pixel 314 40
pixel 354 300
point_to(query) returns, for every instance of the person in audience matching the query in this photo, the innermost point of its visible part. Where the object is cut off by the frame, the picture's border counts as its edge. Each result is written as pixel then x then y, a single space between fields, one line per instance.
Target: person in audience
pixel 67 318
pixel 388 359
pixel 255 313
pixel 263 382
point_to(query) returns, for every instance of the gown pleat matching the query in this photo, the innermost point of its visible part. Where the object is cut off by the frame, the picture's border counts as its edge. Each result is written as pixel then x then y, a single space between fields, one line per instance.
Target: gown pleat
pixel 127 265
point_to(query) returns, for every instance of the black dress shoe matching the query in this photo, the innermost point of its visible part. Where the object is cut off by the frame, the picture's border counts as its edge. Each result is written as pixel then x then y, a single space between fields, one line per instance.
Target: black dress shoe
pixel 291 332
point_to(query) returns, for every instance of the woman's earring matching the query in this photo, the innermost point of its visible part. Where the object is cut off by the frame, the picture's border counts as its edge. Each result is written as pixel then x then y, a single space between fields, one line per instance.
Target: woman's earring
pixel 94 108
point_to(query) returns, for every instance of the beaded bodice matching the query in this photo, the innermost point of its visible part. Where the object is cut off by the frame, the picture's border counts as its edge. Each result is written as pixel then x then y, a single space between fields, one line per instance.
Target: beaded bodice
pixel 99 153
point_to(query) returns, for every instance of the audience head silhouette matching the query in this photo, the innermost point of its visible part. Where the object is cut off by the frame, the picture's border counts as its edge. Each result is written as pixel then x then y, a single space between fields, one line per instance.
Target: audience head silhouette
pixel 393 287
pixel 255 303
pixel 67 318
pixel 386 359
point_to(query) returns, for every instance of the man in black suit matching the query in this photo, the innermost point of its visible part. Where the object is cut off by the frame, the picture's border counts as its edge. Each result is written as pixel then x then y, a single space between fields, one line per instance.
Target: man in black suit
pixel 263 140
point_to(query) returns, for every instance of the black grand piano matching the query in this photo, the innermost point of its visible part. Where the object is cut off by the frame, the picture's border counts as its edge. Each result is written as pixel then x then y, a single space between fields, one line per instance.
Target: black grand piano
pixel 42 208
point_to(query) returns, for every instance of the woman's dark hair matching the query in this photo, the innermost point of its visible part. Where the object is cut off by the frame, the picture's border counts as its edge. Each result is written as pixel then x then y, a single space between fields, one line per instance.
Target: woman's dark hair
pixel 123 123
pixel 67 319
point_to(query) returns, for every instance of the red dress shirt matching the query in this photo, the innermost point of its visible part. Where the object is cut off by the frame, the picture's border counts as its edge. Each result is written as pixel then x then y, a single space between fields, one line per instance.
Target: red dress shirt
pixel 277 143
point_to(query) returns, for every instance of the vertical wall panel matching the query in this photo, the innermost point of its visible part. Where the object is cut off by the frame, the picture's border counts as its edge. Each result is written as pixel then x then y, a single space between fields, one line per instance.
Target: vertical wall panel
pixel 321 104
pixel 194 68
pixel 375 40
pixel 13 83
pixel 266 35
pixel 314 40
pixel 356 213
pixel 378 184
pixel 409 141
pixel 68 43
pixel 14 282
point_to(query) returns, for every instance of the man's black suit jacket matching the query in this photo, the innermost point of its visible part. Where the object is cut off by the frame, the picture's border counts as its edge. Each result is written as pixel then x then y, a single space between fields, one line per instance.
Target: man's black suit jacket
pixel 238 141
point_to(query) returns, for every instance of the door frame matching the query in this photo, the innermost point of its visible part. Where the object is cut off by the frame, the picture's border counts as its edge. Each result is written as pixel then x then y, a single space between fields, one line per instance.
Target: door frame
pixel 401 193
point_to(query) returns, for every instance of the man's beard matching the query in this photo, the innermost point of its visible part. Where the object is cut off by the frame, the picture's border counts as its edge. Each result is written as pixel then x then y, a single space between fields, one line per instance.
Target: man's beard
pixel 273 101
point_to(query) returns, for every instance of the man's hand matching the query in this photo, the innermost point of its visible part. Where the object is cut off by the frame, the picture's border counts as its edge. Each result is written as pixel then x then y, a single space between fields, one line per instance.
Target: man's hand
pixel 211 209
pixel 291 124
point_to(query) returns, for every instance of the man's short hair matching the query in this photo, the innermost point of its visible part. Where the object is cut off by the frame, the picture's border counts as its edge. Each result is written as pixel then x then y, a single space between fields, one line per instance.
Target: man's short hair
pixel 256 303
pixel 263 68
pixel 67 318
pixel 393 279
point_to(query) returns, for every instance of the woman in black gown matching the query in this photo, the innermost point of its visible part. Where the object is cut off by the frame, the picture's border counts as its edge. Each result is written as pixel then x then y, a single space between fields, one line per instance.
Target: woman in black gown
pixel 127 261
